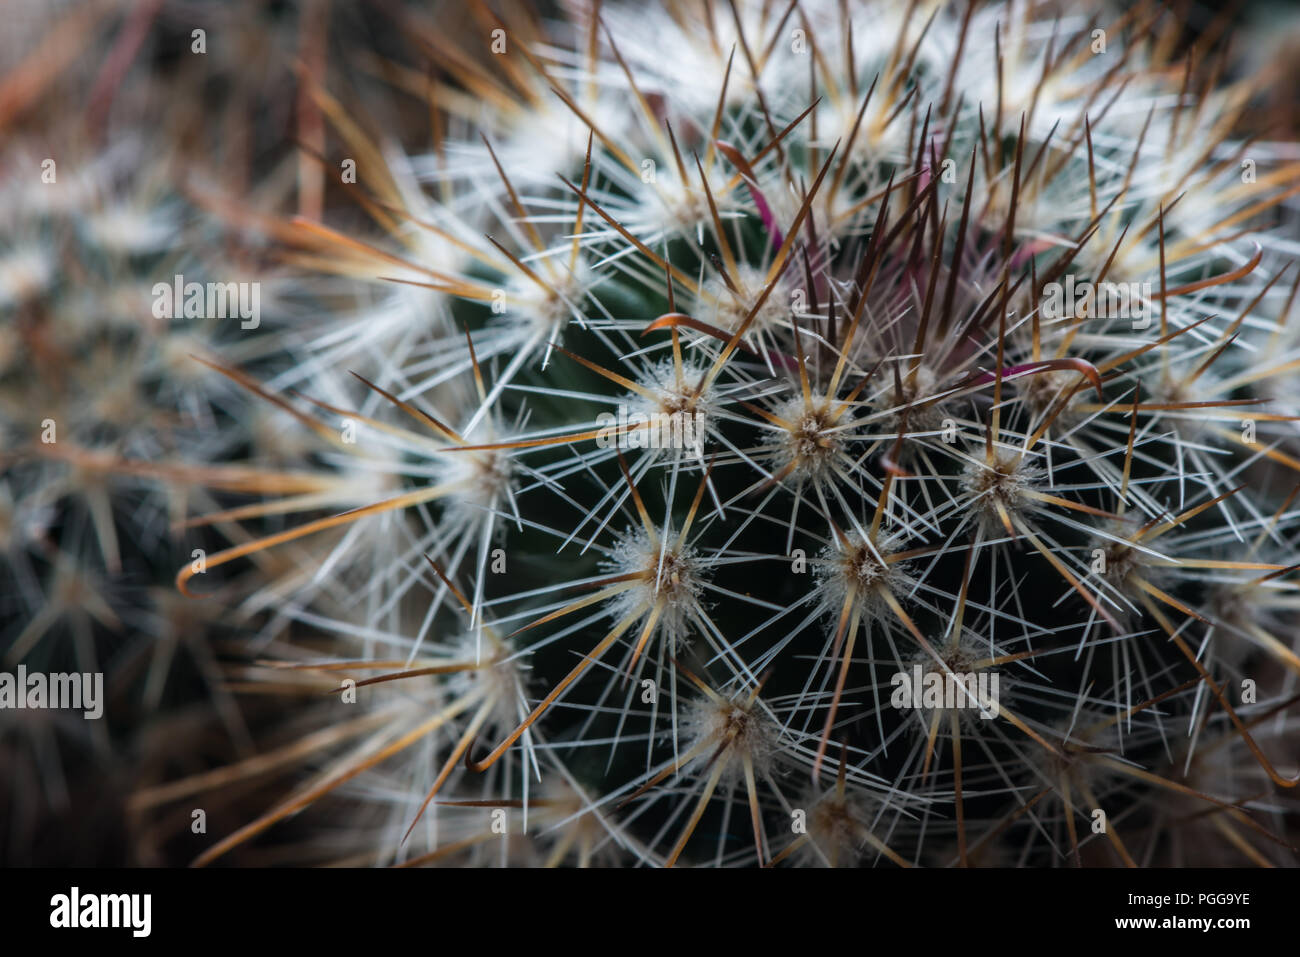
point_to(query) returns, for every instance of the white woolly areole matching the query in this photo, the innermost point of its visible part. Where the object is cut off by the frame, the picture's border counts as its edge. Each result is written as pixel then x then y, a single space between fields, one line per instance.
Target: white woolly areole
pixel 724 309
pixel 1000 487
pixel 548 310
pixel 856 566
pixel 24 273
pixel 670 396
pixel 735 726
pixel 669 577
pixel 813 443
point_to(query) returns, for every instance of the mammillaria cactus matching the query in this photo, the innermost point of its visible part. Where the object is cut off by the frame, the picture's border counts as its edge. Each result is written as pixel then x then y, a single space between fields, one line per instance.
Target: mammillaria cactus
pixel 762 434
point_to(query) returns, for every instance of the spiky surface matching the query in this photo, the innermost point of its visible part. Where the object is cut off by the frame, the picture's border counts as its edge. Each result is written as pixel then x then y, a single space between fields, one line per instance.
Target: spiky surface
pixel 711 378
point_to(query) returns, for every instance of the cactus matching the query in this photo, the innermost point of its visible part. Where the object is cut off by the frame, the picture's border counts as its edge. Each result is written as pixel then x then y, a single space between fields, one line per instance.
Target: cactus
pixel 770 436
